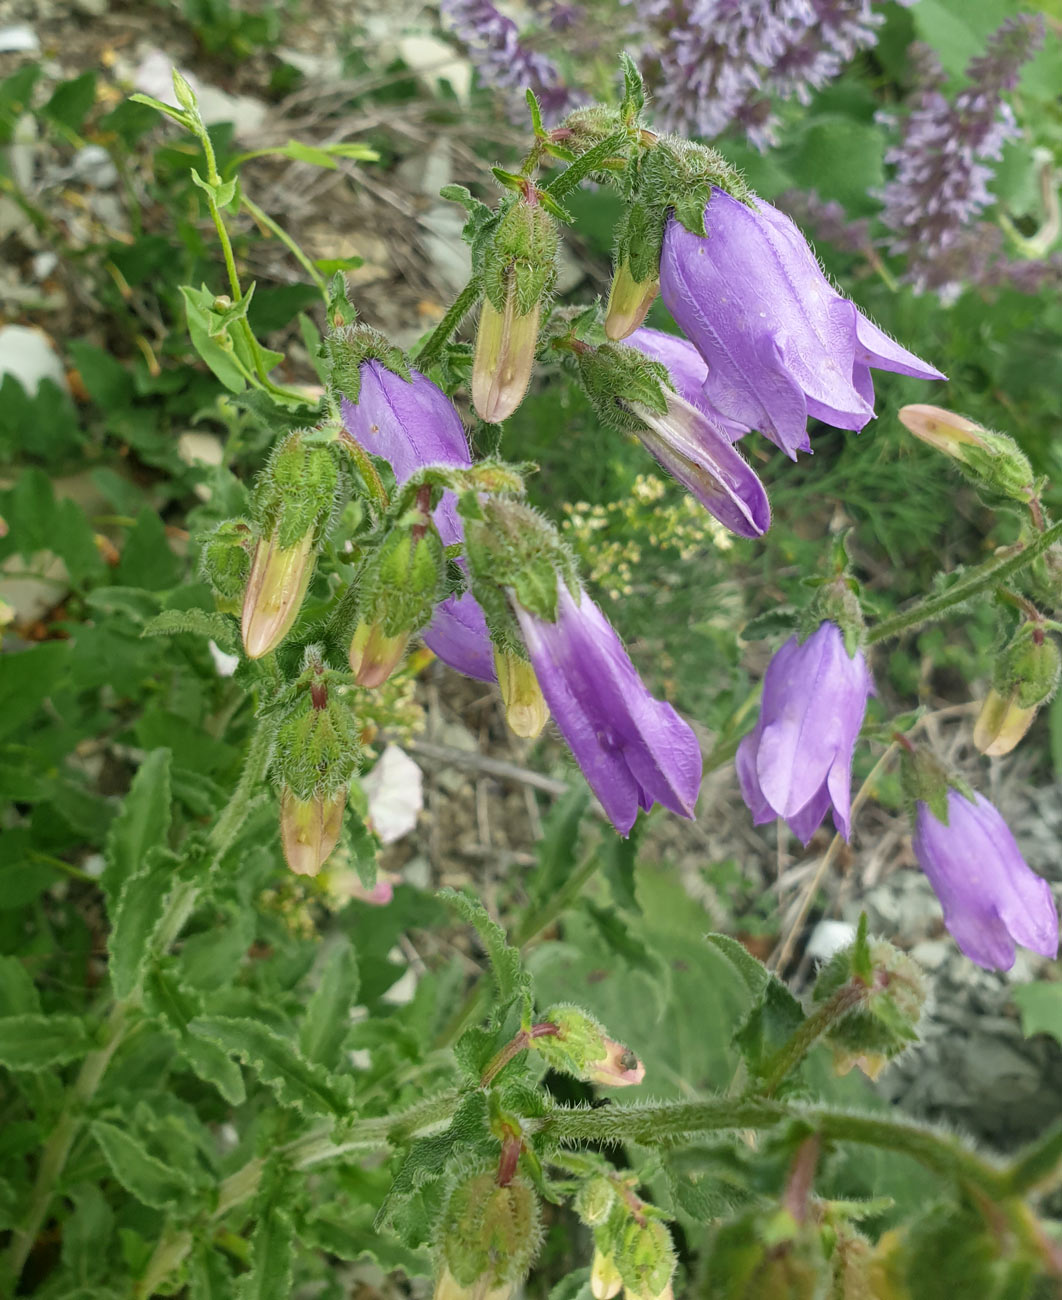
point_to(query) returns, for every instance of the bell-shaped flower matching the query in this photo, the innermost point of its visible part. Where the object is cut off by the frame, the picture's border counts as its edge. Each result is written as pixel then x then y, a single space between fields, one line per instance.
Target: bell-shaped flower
pixel 634 750
pixel 992 899
pixel 410 424
pixel 781 344
pixel 694 444
pixel 688 371
pixel 797 761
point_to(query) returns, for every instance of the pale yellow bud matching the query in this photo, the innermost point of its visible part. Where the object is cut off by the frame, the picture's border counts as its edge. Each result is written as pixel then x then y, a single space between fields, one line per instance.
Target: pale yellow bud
pixel 526 710
pixel 275 591
pixel 373 655
pixel 1001 723
pixel 629 301
pixel 942 429
pixel 309 829
pixel 503 359
pixel 605 1280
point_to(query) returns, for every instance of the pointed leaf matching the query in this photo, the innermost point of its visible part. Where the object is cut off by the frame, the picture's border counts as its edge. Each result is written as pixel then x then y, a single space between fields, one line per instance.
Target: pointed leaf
pixel 137 915
pixel 36 1042
pixel 327 1017
pixel 176 1006
pixel 509 976
pixel 18 993
pixel 147 1178
pixel 142 822
pixel 272 1250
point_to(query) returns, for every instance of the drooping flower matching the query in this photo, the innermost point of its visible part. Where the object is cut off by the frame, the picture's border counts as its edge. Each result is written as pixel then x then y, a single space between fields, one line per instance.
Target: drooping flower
pixel 780 342
pixel 634 750
pixel 797 761
pixel 412 424
pixel 694 442
pixel 992 899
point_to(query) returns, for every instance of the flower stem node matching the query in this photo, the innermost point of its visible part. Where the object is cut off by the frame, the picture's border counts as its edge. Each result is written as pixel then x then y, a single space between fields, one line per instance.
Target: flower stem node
pixel 294 505
pixel 489 1236
pixel 526 710
pixel 580 1047
pixel 1025 677
pixel 992 461
pixel 519 269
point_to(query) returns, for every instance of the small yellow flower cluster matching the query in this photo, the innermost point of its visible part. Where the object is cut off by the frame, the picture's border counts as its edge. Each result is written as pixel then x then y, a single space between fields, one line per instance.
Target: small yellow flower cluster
pixel 611 538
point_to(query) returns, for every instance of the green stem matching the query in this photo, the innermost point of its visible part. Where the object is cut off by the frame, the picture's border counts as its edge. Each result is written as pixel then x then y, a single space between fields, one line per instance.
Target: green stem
pixel 430 350
pixel 557 903
pixel 651 1124
pixel 1037 1164
pixel 595 158
pixel 989 574
pixel 251 780
pixel 792 1052
pixel 260 215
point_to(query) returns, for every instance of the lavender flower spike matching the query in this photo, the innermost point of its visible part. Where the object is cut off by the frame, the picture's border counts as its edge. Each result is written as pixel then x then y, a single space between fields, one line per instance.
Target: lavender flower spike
pixel 634 750
pixel 411 424
pixel 992 900
pixel 797 761
pixel 780 342
pixel 694 443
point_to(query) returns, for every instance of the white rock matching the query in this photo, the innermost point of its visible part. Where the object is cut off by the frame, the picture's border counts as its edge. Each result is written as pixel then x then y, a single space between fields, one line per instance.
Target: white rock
pixel 829 937
pixel 395 792
pixel 435 61
pixel 28 355
pixel 93 166
pixel 44 264
pixel 19 39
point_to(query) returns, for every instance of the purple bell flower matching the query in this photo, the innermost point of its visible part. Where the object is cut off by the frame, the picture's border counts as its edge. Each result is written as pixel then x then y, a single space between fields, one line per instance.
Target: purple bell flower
pixel 410 425
pixel 797 761
pixel 694 443
pixel 634 749
pixel 992 900
pixel 780 342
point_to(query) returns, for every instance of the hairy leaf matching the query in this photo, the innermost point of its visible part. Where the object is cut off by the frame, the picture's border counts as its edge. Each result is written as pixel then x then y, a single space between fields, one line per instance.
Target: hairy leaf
pixel 142 823
pixel 509 976
pixel 36 1042
pixel 176 1006
pixel 272 1248
pixel 136 917
pixel 147 1178
pixel 327 1017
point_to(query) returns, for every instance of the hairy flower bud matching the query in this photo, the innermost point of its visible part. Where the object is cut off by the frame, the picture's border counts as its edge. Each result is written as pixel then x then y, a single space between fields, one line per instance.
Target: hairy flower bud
pixel 225 560
pixel 629 301
pixel 526 711
pixel 990 460
pixel 644 1258
pixel 309 829
pixel 488 1237
pixel 581 1047
pixel 605 1279
pixel 519 270
pixel 294 503
pixel 1025 677
pixel 594 1200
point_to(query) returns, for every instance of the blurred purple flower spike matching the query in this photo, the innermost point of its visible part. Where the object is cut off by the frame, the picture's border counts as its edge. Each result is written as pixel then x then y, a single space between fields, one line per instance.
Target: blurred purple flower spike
pixel 634 750
pixel 780 342
pixel 797 761
pixel 992 900
pixel 412 424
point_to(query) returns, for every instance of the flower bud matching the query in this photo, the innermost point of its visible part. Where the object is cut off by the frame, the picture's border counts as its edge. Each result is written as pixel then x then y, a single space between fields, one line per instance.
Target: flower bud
pixel 309 829
pixel 629 301
pixel 644 1258
pixel 526 711
pixel 488 1238
pixel 605 1279
pixel 519 270
pixel 580 1047
pixel 374 655
pixel 294 502
pixel 1026 676
pixel 594 1200
pixel 225 560
pixel 990 460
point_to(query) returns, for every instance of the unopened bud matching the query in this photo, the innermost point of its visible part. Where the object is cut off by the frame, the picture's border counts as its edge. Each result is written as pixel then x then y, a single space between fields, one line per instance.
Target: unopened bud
pixel 489 1236
pixel 225 559
pixel 605 1279
pixel 581 1047
pixel 503 359
pixel 183 93
pixel 1025 677
pixel 526 710
pixel 594 1200
pixel 275 591
pixel 629 301
pixel 374 655
pixel 990 460
pixel 309 829
pixel 645 1258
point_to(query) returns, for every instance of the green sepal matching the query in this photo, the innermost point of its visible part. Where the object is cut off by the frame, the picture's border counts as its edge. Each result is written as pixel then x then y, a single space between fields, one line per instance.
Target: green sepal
pixel 633 90
pixel 616 378
pixel 346 349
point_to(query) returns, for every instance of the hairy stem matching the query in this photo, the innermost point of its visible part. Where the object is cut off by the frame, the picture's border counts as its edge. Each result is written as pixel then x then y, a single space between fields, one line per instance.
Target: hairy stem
pixel 990 574
pixel 821 1020
pixel 440 335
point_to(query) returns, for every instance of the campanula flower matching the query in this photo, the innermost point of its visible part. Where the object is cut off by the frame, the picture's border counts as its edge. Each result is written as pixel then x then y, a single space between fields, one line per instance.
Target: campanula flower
pixel 780 343
pixel 634 750
pixel 797 761
pixel 992 899
pixel 411 424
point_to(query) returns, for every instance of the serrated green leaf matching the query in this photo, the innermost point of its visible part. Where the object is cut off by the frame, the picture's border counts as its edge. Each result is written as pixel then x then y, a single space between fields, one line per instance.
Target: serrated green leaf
pixel 143 822
pixel 557 850
pixel 220 628
pixel 346 1230
pixel 18 993
pixel 176 1006
pixel 86 1234
pixel 509 976
pixel 754 974
pixel 36 1042
pixel 136 918
pixel 279 1064
pixel 139 1172
pixel 209 1277
pixel 272 1251
pixel 327 1018
pixel 774 1018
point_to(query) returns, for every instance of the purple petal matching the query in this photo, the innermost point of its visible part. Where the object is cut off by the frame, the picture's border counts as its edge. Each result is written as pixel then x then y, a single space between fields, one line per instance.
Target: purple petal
pixel 634 749
pixel 807 821
pixel 687 369
pixel 745 766
pixel 458 634
pixel 875 348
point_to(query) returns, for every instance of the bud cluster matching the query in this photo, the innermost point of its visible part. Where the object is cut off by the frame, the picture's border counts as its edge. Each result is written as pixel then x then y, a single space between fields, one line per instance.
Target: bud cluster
pixel 1025 677
pixel 633 1252
pixel 488 1236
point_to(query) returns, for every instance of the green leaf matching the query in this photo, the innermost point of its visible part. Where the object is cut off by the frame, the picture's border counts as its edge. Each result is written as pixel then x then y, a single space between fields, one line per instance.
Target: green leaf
pixel 107 381
pixel 219 357
pixel 223 191
pixel 142 823
pixel 177 114
pixel 140 1173
pixel 272 1251
pixel 28 679
pixel 147 558
pixel 557 850
pixel 176 1006
pixel 327 1017
pixel 36 1042
pixel 86 1234
pixel 279 1064
pixel 18 993
pixel 770 1023
pixel 753 973
pixel 220 628
pixel 509 976
pixel 345 1229
pixel 136 918
pixel 70 104
pixel 1040 1005
pixel 618 857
